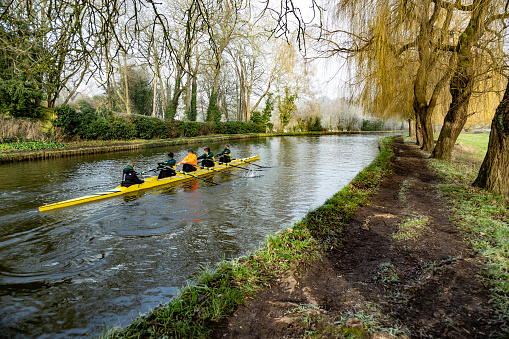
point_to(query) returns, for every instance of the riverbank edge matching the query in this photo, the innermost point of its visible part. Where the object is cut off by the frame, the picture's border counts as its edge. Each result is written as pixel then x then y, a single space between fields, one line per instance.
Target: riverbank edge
pixel 218 291
pixel 126 145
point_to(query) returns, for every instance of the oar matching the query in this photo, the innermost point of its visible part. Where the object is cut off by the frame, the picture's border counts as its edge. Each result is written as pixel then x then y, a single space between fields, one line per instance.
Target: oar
pixel 212 169
pixel 250 163
pixel 194 176
pixel 237 166
pixel 152 170
pixel 228 164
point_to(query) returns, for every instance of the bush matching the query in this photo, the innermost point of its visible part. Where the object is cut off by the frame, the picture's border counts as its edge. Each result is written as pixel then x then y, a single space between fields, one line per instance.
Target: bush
pixel 237 127
pixel 189 129
pixel 144 127
pixel 68 120
pixel 102 124
pixel 20 99
pixel 368 125
pixel 160 128
pixel 314 125
pixel 218 128
pixel 121 129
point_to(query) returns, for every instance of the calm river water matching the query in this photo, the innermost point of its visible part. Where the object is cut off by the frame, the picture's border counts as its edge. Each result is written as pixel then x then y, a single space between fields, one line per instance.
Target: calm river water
pixel 73 272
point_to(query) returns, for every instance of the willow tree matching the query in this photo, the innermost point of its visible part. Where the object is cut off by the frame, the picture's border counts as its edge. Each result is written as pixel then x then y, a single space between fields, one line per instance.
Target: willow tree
pixel 494 172
pixel 469 52
pixel 399 52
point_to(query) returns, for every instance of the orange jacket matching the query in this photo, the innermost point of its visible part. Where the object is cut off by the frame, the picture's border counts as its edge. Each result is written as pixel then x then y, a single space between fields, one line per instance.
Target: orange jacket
pixel 189 159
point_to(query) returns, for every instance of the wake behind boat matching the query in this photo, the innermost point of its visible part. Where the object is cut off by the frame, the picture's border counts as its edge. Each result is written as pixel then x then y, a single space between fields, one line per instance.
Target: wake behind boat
pixel 149 183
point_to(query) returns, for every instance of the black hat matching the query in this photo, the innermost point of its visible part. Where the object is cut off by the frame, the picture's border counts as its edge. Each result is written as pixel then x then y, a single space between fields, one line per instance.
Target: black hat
pixel 190 150
pixel 170 154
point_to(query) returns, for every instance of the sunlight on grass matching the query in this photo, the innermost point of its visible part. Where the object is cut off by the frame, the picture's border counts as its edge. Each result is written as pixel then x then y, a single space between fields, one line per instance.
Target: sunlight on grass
pixel 483 219
pixel 478 141
pixel 412 228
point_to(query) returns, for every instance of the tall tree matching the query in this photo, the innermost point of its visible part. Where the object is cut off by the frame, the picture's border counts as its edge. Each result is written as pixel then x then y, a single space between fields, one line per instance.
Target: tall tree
pixel 463 79
pixel 494 172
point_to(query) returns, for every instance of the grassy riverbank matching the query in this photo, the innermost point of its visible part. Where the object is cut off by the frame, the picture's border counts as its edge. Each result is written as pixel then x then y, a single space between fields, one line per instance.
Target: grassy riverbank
pixel 31 150
pixel 219 291
pixel 482 217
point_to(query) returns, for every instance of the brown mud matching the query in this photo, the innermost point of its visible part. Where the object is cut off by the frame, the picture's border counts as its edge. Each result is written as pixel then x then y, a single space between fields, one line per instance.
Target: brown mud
pixel 421 286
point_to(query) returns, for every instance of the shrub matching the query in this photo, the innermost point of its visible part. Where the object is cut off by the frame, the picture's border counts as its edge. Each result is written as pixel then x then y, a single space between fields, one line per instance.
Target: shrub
pixel 121 129
pixel 67 119
pixel 314 125
pixel 206 128
pixel 160 128
pixel 218 127
pixel 376 125
pixel 20 98
pixel 189 129
pixel 144 126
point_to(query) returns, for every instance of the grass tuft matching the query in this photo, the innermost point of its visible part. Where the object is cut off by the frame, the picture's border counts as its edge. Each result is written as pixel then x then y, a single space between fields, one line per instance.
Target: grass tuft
pixel 412 228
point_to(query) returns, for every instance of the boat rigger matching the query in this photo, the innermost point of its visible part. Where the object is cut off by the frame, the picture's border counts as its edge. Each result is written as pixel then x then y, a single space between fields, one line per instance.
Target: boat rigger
pixel 149 183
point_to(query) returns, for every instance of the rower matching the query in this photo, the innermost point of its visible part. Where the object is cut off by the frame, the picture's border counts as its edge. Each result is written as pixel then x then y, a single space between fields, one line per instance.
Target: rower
pixel 129 176
pixel 167 167
pixel 190 161
pixel 208 158
pixel 226 154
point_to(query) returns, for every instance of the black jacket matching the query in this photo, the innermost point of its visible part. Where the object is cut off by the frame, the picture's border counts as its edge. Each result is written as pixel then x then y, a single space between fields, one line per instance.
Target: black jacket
pixel 129 177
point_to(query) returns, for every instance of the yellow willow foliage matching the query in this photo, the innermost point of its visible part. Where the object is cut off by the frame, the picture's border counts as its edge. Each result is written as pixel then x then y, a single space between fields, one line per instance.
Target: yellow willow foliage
pixel 487 95
pixel 389 40
pixel 383 76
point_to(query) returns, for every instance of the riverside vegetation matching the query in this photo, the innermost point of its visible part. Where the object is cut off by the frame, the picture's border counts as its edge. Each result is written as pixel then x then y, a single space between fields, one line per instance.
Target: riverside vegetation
pixel 296 254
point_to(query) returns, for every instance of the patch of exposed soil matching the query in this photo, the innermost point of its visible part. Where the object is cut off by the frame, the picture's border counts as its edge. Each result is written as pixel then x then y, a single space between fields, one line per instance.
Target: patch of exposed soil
pixel 425 286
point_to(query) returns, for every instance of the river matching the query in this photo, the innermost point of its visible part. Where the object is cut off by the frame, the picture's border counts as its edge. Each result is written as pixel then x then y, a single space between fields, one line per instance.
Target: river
pixel 77 271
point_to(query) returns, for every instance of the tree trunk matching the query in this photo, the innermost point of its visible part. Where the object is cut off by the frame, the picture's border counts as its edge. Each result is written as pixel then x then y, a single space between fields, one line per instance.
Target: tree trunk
pixel 188 91
pixel 154 99
pixel 494 172
pixel 174 102
pixel 461 83
pixel 411 128
pixel 126 84
pixel 418 131
pixel 461 91
pixel 194 90
pixel 424 115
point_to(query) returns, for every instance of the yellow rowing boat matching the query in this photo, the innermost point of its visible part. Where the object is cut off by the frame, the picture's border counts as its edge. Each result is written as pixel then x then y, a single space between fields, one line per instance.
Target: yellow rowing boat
pixel 149 183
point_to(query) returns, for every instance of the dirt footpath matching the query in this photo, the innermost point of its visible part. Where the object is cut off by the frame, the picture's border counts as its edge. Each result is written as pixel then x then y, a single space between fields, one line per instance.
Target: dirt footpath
pixel 402 269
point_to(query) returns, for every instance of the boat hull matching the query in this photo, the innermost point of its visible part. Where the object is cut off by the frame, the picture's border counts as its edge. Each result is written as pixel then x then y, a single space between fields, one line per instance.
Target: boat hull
pixel 148 184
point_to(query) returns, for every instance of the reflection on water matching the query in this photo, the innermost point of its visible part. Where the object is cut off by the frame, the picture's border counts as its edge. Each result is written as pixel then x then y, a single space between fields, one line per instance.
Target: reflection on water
pixel 69 272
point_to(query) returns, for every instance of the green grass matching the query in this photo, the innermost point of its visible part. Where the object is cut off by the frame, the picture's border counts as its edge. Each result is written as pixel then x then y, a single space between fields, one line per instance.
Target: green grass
pixel 218 291
pixel 478 141
pixel 31 145
pixel 412 228
pixel 482 217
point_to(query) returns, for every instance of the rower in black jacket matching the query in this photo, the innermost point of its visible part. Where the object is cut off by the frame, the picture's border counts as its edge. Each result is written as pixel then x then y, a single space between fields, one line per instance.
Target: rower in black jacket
pixel 208 158
pixel 129 176
pixel 226 154
pixel 167 167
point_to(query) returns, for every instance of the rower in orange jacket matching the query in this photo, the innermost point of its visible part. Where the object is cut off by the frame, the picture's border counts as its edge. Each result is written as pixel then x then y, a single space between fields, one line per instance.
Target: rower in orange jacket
pixel 190 161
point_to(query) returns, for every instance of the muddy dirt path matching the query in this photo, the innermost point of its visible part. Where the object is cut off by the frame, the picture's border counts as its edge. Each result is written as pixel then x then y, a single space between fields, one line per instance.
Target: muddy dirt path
pixel 402 269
